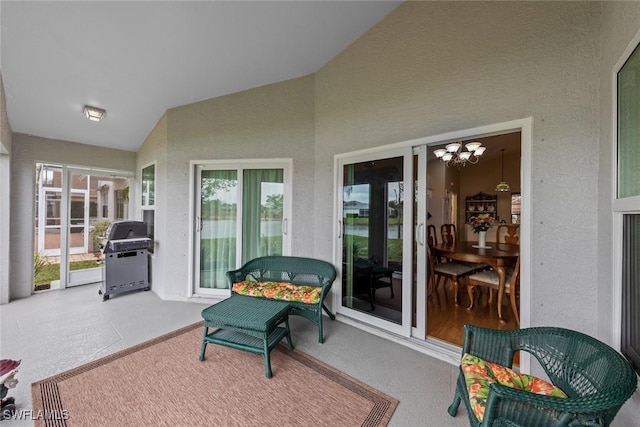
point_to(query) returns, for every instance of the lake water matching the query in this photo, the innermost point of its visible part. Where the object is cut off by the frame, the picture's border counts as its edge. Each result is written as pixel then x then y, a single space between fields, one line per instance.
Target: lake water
pixel 363 230
pixel 227 228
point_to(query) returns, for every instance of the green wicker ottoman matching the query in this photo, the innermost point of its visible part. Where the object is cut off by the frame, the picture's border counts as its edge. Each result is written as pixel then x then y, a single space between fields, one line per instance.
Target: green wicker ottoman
pixel 248 324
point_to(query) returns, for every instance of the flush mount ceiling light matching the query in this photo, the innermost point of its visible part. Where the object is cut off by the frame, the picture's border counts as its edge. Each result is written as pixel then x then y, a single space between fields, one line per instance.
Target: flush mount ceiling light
pixel 452 154
pixel 94 114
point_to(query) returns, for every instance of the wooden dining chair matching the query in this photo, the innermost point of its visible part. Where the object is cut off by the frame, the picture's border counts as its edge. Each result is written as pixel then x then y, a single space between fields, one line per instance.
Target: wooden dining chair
pixel 448 233
pixel 452 271
pixel 432 238
pixel 490 279
pixel 508 233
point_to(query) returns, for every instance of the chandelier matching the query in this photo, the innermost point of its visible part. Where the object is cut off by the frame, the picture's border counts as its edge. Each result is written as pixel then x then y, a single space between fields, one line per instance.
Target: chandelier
pixel 453 155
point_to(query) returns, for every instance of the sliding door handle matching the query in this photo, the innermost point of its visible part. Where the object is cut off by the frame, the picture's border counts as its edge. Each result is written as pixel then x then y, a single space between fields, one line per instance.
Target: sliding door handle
pixel 420 234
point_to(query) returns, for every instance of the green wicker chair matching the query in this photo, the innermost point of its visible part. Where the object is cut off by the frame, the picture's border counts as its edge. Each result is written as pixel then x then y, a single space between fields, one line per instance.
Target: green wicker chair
pixel 296 270
pixel 595 377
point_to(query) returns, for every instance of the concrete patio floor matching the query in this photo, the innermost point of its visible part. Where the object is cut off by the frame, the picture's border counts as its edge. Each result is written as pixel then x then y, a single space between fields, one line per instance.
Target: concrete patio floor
pixel 57 330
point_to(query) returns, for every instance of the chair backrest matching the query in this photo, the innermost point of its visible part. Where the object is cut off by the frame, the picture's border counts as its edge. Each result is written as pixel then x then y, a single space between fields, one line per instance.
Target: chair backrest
pixel 448 233
pixel 432 238
pixel 508 233
pixel 597 379
pixel 490 278
pixel 298 270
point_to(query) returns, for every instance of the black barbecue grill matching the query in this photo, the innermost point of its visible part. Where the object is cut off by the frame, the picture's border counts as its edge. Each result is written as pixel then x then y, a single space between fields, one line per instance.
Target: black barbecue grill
pixel 126 258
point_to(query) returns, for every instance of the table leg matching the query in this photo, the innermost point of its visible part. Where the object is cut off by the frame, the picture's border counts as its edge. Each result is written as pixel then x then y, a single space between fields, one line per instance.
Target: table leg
pixel 267 359
pixel 204 343
pixel 501 284
pixel 289 342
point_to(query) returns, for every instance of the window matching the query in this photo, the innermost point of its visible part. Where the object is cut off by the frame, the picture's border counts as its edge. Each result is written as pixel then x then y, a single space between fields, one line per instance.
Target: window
pixel 148 201
pixel 627 203
pixel 121 201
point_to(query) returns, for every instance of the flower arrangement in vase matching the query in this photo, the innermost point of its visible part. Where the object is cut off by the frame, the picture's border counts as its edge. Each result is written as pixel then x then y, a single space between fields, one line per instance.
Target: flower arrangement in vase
pixel 481 222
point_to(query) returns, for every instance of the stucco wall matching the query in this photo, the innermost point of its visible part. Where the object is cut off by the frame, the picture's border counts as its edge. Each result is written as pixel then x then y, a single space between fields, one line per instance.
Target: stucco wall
pixel 26 151
pixel 274 121
pixel 433 67
pixel 620 23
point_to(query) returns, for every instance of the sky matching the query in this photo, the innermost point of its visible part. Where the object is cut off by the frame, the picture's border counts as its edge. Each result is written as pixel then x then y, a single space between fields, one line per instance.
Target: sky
pixel 360 192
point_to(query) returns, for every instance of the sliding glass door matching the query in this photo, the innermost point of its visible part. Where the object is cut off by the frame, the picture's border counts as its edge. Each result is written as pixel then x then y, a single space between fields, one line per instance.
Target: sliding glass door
pixel 241 213
pixel 375 238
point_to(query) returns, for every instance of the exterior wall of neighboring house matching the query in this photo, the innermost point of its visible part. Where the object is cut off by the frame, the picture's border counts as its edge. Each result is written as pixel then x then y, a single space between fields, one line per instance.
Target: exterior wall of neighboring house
pixel 458 65
pixel 26 151
pixel 273 121
pixel 5 182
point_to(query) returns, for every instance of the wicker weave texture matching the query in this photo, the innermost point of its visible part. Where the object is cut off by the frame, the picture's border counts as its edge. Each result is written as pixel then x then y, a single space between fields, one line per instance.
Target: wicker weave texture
pixel 296 270
pixel 245 313
pixel 597 379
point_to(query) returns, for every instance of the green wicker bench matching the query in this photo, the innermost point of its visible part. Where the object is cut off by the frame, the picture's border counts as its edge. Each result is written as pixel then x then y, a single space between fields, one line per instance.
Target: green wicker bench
pixel 596 379
pixel 303 282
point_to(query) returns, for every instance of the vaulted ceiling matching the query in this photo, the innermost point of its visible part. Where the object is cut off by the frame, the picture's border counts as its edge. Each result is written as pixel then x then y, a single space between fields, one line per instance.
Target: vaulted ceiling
pixel 136 59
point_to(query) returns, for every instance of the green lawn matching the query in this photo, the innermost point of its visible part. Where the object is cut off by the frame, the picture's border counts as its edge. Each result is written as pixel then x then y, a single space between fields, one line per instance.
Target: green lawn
pixel 394 251
pixel 51 272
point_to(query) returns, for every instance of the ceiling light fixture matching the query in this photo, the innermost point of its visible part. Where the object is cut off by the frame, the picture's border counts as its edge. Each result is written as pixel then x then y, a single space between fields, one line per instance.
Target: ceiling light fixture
pixel 502 187
pixel 452 154
pixel 94 114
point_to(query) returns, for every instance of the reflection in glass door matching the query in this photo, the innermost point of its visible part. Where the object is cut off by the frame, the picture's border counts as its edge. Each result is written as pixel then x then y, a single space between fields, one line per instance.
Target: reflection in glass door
pixel 217 226
pixel 240 214
pixel 96 200
pixel 73 209
pixel 376 253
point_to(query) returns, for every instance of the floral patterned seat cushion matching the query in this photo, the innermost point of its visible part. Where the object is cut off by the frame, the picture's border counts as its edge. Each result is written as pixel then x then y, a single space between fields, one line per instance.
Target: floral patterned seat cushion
pixel 279 291
pixel 480 374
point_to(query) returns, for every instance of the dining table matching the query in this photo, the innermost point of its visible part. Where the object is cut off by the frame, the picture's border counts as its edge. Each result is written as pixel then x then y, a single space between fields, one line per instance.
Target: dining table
pixel 497 255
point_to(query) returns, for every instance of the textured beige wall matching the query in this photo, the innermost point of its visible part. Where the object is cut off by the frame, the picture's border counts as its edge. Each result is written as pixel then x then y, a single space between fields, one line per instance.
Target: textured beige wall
pixel 273 121
pixel 434 67
pixel 26 151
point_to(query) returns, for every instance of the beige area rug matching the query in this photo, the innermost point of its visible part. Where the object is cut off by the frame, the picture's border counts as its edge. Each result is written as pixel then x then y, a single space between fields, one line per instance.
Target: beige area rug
pixel 162 383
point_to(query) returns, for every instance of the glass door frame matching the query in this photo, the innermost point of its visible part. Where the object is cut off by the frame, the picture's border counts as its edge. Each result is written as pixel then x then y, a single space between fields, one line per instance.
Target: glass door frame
pixel 524 126
pixel 65 226
pixel 404 328
pixel 196 168
pixel 419 329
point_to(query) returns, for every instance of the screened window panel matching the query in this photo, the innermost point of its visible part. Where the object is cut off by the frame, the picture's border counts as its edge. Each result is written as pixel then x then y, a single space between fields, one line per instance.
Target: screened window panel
pixel 629 127
pixel 631 289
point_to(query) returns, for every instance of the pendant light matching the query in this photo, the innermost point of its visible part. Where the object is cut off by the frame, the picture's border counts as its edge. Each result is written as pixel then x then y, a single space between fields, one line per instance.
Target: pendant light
pixel 503 186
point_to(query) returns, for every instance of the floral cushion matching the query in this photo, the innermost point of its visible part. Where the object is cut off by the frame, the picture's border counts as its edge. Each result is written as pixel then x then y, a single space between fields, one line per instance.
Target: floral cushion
pixel 480 374
pixel 279 290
